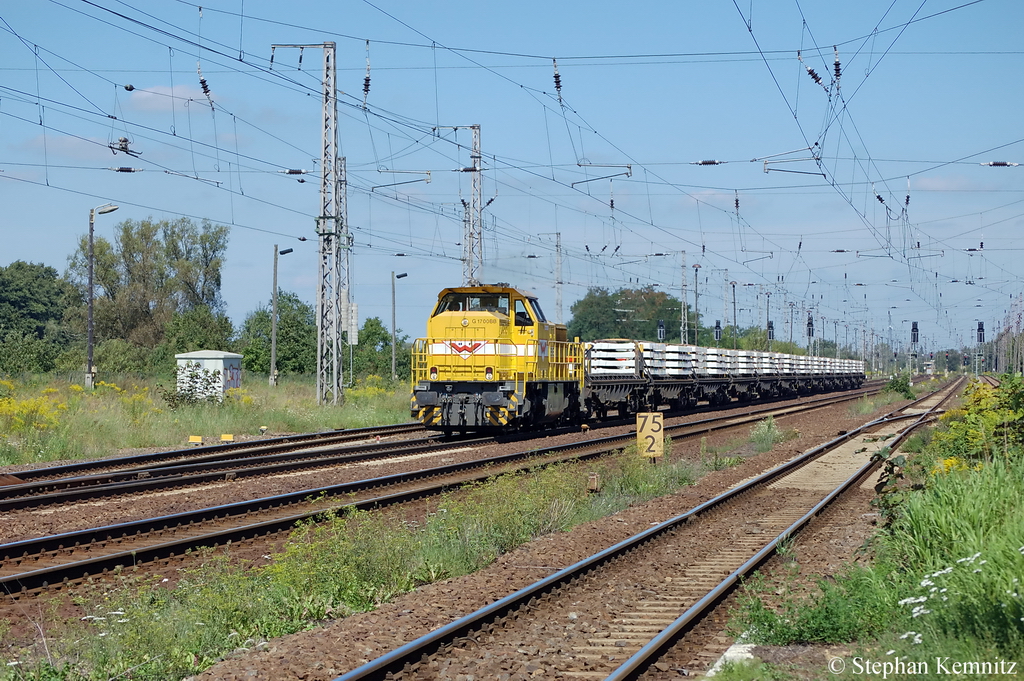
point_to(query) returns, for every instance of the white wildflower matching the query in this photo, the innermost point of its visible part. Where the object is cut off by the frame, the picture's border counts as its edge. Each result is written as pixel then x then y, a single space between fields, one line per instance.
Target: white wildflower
pixel 909 633
pixel 890 652
pixel 918 611
pixel 907 601
pixel 926 582
pixel 917 639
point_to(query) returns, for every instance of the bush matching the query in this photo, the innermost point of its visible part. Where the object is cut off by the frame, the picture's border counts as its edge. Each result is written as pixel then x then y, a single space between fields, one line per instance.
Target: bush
pixel 900 385
pixel 193 385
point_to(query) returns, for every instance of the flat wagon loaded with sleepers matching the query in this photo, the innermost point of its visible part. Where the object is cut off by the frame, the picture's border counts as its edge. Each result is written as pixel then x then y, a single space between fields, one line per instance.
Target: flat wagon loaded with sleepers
pixel 492 361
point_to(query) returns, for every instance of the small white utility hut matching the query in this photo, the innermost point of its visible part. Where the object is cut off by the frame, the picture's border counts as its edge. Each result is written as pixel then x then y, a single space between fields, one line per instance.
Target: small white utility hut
pixel 226 365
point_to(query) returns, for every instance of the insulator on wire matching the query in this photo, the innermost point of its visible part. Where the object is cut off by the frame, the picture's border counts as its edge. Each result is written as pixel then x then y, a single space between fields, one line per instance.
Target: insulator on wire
pixel 880 199
pixel 366 80
pixel 811 72
pixel 124 169
pixel 203 84
pixel 836 64
pixel 272 48
pixel 736 202
pixel 558 81
pixel 707 162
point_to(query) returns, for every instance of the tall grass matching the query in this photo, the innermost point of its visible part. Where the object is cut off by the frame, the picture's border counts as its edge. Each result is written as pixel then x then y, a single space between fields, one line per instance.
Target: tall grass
pixel 45 420
pixel 350 562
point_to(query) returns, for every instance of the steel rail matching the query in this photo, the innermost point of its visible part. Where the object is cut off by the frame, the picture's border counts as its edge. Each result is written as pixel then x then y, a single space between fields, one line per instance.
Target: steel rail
pixel 398 659
pixel 145 480
pixel 640 661
pixel 66 541
pixel 171 457
pixel 140 480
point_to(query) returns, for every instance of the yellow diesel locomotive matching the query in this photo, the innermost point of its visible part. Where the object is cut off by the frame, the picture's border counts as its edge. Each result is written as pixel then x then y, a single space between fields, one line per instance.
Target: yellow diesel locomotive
pixel 492 361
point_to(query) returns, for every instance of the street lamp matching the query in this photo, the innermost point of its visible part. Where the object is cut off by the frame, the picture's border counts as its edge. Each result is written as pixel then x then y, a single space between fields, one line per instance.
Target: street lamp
pixel 735 322
pixel 90 370
pixel 394 374
pixel 696 312
pixel 273 319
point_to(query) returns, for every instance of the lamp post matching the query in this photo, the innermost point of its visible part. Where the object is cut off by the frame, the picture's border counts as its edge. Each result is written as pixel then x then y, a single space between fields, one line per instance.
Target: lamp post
pixel 735 321
pixel 273 319
pixel 394 373
pixel 696 313
pixel 90 370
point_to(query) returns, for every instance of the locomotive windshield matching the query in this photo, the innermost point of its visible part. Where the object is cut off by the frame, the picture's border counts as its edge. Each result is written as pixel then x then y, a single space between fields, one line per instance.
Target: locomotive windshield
pixel 539 313
pixel 473 302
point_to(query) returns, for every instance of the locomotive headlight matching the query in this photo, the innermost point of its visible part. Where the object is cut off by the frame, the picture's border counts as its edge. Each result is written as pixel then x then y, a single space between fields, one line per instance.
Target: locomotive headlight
pixel 465 322
pixel 489 373
pixel 433 373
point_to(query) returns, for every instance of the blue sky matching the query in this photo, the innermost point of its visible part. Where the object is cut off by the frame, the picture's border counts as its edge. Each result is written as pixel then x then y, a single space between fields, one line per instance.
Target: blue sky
pixel 927 93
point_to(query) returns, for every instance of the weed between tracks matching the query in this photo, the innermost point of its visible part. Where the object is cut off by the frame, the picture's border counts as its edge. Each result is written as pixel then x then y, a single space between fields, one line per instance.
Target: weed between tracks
pixel 351 562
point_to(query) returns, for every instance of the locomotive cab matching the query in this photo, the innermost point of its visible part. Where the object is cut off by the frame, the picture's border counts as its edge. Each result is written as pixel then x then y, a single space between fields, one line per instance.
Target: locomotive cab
pixel 492 360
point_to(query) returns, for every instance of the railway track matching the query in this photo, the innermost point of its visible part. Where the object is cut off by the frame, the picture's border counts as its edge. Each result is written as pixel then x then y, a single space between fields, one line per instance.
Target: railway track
pixel 38 563
pixel 181 468
pixel 620 613
pixel 68 475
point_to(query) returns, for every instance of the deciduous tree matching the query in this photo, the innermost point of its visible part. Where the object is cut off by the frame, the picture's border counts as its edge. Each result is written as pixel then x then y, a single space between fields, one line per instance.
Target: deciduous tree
pixel 296 337
pixel 151 271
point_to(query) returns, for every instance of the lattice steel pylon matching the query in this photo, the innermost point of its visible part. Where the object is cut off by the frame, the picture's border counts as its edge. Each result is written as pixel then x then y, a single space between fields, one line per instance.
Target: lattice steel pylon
pixel 473 251
pixel 333 301
pixel 335 247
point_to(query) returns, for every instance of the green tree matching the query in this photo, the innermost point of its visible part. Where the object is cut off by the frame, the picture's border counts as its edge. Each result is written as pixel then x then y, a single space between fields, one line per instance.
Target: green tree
pixel 33 297
pixel 372 356
pixel 151 271
pixel 199 328
pixel 626 313
pixel 195 256
pixel 296 337
pixel 22 353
